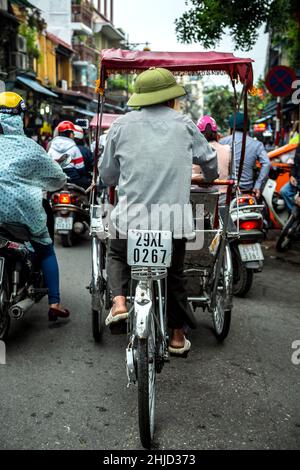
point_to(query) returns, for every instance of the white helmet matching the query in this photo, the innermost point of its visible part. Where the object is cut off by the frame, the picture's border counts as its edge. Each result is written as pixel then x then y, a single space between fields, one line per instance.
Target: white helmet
pixel 79 132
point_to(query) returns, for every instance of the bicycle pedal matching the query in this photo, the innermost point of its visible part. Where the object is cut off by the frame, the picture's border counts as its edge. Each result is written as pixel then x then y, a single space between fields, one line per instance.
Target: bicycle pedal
pixel 119 328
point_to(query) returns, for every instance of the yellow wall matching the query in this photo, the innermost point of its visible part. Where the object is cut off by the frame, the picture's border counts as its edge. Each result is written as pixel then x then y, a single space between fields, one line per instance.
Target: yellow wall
pixel 46 66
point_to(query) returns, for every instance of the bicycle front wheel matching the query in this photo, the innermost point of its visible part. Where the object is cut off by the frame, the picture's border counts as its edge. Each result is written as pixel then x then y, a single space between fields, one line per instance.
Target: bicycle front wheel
pixel 146 388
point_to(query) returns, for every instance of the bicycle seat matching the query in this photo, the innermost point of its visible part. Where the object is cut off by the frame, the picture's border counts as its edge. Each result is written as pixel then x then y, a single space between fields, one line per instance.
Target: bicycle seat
pixel 15 232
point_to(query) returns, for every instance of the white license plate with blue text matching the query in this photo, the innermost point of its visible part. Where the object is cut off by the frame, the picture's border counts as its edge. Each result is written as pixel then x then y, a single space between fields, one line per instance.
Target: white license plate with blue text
pixel 63 223
pixel 149 248
pixel 251 252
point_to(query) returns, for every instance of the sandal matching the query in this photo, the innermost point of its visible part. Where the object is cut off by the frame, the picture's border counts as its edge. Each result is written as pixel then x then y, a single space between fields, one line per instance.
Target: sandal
pixel 181 352
pixel 110 319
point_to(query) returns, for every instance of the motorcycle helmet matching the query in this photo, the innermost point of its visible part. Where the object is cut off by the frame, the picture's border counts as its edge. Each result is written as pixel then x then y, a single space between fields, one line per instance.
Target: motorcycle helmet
pixel 66 126
pixel 204 121
pixel 79 133
pixel 12 103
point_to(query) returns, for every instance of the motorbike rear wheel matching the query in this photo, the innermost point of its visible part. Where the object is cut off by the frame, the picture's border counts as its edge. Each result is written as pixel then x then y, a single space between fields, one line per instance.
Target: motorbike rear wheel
pixel 4 315
pixel 242 276
pixel 284 240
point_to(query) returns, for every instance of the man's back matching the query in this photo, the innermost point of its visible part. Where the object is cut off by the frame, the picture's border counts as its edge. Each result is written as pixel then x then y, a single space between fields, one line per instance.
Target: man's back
pixel 149 154
pixel 254 151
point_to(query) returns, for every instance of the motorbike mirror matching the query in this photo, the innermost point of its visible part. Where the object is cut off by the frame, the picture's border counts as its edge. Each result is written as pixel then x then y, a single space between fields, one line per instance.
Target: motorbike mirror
pixel 84 123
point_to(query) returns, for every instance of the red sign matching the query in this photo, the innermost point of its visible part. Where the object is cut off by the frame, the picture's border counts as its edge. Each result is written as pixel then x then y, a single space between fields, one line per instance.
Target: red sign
pixel 279 80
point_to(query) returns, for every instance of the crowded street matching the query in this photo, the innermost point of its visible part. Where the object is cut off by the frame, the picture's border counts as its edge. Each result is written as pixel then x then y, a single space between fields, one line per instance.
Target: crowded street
pixel 64 391
pixel 149 231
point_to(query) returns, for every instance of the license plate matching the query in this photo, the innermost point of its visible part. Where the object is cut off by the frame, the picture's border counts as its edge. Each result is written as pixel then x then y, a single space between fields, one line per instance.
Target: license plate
pixel 251 252
pixel 63 223
pixel 149 248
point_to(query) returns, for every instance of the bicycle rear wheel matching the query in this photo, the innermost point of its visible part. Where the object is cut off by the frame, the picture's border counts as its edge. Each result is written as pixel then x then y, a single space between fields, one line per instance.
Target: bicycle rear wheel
pixel 146 386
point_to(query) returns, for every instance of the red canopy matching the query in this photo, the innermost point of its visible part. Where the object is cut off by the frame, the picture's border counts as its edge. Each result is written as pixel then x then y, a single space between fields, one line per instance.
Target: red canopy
pixel 119 60
pixel 107 120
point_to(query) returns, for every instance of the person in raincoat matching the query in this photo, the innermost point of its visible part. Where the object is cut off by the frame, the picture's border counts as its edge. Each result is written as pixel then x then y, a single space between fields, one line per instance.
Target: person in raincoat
pixel 25 171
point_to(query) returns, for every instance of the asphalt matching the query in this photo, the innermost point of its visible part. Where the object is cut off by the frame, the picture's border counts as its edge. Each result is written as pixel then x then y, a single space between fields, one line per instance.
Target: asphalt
pixel 59 390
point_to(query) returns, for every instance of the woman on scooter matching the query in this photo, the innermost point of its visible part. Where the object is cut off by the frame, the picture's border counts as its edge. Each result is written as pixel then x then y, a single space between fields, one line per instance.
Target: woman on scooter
pixel 289 190
pixel 25 171
pixel 208 127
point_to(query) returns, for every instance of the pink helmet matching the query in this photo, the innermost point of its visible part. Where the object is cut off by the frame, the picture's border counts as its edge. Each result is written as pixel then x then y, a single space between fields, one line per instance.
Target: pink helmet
pixel 202 123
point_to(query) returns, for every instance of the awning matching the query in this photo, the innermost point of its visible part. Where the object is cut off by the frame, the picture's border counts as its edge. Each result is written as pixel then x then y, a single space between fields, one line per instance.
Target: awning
pixel 263 119
pixel 108 30
pixel 84 112
pixel 34 85
pixel 107 120
pixel 23 3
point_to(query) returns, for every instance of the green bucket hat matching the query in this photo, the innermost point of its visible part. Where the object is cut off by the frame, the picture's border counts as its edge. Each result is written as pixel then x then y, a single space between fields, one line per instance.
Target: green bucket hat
pixel 155 86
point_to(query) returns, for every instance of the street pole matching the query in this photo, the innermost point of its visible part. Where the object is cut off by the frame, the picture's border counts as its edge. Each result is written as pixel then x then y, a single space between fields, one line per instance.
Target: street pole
pixel 278 121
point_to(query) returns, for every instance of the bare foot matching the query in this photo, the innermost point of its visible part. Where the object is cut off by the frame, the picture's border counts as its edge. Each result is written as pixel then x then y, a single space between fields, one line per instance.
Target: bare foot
pixel 119 305
pixel 177 338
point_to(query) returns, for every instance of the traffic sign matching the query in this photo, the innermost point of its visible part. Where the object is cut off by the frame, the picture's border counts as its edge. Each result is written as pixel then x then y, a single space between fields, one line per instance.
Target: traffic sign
pixel 279 80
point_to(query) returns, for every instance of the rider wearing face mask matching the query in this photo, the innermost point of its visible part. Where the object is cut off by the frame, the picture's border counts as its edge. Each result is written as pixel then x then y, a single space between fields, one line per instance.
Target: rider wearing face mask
pixel 25 171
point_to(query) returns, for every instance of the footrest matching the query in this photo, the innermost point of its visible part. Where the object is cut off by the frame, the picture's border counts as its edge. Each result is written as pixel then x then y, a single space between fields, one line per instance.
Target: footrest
pixel 43 291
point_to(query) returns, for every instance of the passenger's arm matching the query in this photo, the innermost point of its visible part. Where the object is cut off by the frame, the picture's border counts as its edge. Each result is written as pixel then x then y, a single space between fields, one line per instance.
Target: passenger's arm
pixel 45 172
pixel 264 160
pixel 109 166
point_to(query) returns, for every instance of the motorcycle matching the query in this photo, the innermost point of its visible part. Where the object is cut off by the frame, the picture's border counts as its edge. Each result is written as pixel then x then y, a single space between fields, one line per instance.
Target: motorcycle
pixel 277 213
pixel 21 278
pixel 71 209
pixel 71 212
pixel 247 255
pixel 291 229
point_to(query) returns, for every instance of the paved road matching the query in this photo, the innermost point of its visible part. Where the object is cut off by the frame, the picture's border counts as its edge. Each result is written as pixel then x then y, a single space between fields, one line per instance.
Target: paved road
pixel 61 391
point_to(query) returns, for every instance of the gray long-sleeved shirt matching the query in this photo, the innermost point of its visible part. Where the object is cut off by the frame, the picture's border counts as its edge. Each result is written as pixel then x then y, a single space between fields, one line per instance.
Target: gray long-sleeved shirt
pixel 255 150
pixel 149 154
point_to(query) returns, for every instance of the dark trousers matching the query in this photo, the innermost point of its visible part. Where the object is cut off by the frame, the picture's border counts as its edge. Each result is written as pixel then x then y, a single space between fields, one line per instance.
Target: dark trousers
pixel 178 309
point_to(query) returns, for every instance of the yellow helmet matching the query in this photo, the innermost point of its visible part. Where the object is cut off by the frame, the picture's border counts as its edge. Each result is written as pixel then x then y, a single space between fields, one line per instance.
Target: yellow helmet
pixel 11 103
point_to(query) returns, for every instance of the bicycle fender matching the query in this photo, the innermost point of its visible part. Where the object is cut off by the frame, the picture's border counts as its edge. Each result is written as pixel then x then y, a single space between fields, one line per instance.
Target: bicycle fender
pixel 142 307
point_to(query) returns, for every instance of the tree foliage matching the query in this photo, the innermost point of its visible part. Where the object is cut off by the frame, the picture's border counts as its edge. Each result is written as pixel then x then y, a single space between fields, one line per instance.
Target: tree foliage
pixel 219 103
pixel 205 20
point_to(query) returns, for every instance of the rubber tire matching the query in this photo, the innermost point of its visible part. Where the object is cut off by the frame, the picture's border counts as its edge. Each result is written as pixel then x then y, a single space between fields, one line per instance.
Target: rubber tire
pixel 227 313
pixel 226 327
pixel 283 235
pixel 245 278
pixel 97 325
pixel 67 240
pixel 143 393
pixel 5 289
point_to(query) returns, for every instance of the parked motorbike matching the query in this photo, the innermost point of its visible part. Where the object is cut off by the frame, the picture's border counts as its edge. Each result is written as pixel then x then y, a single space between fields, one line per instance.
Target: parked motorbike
pixel 71 213
pixel 291 230
pixel 277 213
pixel 21 278
pixel 247 255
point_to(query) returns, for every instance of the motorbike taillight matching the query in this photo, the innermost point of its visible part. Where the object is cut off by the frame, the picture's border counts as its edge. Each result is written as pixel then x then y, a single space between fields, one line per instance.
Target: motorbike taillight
pixel 256 224
pixel 246 201
pixel 64 198
pixel 74 200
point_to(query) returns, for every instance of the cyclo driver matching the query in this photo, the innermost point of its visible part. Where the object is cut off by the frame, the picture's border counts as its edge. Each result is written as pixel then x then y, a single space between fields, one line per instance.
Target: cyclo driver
pixel 149 154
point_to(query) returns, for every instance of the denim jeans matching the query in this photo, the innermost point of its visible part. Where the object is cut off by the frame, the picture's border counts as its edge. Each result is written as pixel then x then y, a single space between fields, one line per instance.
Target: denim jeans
pixel 288 192
pixel 47 257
